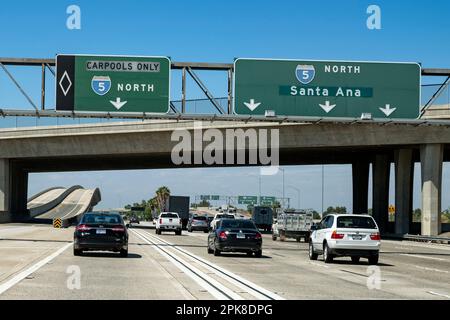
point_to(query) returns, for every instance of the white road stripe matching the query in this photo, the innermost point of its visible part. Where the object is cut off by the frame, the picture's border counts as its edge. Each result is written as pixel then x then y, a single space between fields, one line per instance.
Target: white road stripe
pixel 420 256
pixel 22 275
pixel 199 277
pixel 242 283
pixel 320 265
pixel 439 294
pixel 431 269
pixel 229 279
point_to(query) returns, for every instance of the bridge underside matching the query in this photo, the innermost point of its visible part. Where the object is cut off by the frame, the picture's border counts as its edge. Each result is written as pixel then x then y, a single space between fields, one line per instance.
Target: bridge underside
pixel 360 145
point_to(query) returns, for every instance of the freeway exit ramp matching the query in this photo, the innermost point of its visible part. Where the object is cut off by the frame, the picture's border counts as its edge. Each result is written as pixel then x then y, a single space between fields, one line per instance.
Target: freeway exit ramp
pixel 63 203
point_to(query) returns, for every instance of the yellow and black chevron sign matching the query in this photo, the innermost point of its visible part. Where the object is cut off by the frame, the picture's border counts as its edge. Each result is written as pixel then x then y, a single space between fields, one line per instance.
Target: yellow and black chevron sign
pixel 57 223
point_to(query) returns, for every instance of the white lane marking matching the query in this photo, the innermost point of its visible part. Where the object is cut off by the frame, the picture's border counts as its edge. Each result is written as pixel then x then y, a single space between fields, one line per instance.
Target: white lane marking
pixel 420 256
pixel 228 278
pixel 199 277
pixel 228 275
pixel 319 265
pixel 439 294
pixel 22 275
pixel 431 269
pixel 406 244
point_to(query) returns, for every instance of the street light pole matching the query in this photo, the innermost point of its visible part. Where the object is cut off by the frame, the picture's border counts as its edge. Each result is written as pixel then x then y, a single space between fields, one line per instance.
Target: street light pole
pixel 283 185
pixel 323 168
pixel 259 198
pixel 298 193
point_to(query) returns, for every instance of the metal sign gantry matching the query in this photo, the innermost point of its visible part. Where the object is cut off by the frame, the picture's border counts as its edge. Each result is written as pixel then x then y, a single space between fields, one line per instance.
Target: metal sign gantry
pixel 187 69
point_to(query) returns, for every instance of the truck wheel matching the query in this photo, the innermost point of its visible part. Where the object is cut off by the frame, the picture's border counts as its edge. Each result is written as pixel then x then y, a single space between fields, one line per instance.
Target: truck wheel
pixel 373 260
pixel 258 254
pixel 178 232
pixel 274 237
pixel 282 236
pixel 355 259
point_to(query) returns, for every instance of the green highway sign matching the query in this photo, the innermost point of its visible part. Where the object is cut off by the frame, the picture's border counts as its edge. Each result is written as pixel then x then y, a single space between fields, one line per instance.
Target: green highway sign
pixel 327 88
pixel 247 199
pixel 210 197
pixel 267 200
pixel 112 83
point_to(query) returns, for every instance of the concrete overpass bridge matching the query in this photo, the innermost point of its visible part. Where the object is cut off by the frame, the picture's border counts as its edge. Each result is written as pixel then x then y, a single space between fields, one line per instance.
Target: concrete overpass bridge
pixel 148 145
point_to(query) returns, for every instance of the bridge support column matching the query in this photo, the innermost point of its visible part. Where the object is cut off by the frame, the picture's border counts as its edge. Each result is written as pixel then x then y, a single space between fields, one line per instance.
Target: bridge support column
pixel 431 157
pixel 5 191
pixel 360 177
pixel 380 190
pixel 404 173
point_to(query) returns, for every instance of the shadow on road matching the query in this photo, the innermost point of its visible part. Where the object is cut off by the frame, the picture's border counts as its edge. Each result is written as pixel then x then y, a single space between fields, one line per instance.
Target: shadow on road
pixel 95 254
pixel 239 255
pixel 361 263
pixel 35 240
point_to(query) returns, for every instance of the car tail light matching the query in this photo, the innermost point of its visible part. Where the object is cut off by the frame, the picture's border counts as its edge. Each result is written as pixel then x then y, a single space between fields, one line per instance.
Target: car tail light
pixel 258 236
pixel 375 236
pixel 160 221
pixel 83 228
pixel 336 235
pixel 223 235
pixel 118 229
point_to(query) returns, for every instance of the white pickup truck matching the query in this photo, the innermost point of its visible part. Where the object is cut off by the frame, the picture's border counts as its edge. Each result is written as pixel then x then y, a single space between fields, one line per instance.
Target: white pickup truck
pixel 168 221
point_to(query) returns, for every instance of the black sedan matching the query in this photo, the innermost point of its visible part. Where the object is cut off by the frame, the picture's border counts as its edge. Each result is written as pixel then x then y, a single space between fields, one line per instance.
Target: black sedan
pixel 235 235
pixel 101 232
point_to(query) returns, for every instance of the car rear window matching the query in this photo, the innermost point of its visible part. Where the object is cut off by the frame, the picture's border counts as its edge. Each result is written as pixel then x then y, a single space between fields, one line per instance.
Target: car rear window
pixel 225 216
pixel 244 224
pixel 102 218
pixel 203 218
pixel 169 215
pixel 356 222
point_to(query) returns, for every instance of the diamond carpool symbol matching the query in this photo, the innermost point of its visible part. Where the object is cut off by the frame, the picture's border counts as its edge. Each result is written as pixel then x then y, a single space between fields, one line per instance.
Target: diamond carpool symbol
pixel 65 83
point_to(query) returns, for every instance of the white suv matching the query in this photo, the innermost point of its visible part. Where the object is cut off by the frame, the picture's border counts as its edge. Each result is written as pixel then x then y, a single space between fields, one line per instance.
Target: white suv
pixel 345 235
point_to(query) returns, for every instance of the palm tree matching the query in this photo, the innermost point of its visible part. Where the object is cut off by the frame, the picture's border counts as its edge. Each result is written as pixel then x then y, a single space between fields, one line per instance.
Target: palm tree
pixel 162 196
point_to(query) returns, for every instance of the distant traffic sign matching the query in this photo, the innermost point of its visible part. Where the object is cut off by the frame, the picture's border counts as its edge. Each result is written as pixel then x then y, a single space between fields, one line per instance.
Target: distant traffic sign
pixel 247 199
pixel 267 201
pixel 327 88
pixel 112 83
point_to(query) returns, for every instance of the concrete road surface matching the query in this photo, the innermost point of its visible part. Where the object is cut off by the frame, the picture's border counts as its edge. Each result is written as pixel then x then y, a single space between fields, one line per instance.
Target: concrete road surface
pixel 38 263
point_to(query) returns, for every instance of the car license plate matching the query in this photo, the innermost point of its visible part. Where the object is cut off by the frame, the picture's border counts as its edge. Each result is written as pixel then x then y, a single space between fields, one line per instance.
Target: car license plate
pixel 101 231
pixel 357 237
pixel 240 236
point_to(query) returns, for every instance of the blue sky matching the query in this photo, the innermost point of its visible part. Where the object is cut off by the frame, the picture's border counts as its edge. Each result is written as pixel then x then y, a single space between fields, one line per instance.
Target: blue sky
pixel 214 31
